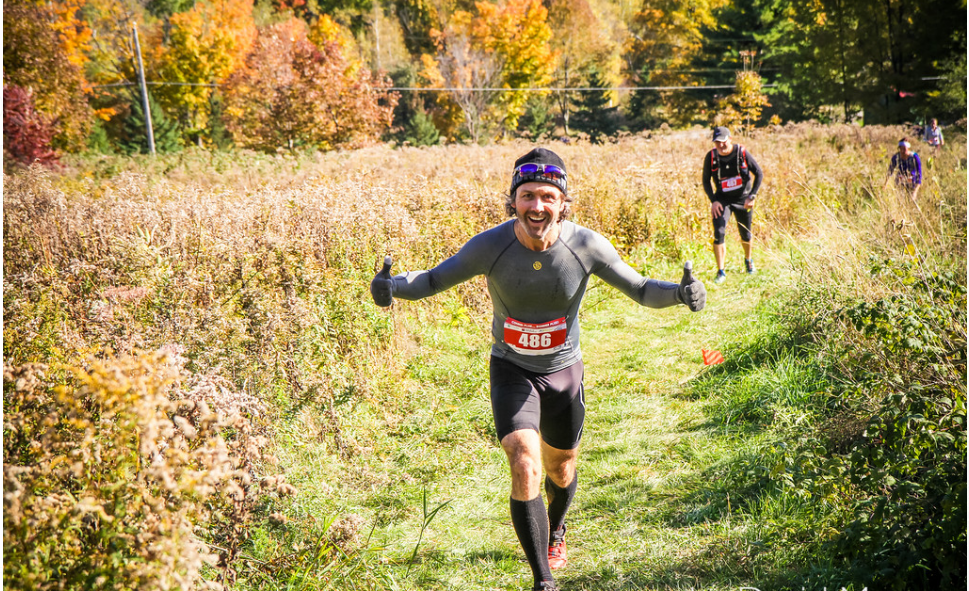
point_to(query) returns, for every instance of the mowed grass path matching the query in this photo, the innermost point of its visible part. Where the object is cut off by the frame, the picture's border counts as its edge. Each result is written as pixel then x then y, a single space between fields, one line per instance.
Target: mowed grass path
pixel 641 518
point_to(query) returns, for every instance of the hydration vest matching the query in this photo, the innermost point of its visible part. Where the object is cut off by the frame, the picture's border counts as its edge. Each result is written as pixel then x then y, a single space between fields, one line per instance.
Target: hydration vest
pixel 742 164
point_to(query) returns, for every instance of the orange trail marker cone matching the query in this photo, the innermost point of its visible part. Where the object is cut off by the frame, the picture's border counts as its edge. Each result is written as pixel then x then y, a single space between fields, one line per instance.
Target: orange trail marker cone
pixel 711 357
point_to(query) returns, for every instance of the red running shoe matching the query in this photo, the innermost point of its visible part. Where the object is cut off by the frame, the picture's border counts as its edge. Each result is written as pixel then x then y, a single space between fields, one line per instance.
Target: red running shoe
pixel 558 554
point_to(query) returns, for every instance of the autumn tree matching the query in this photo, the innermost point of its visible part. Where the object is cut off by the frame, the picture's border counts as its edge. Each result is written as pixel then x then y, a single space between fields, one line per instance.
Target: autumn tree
pixel 205 45
pixel 503 46
pixel 111 53
pixel 582 42
pixel 39 58
pixel 666 37
pixel 291 93
pixel 471 74
pixel 743 108
pixel 26 133
pixel 518 31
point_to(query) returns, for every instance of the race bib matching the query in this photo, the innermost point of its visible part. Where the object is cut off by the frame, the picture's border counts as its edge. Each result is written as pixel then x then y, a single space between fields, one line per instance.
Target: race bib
pixel 731 184
pixel 535 339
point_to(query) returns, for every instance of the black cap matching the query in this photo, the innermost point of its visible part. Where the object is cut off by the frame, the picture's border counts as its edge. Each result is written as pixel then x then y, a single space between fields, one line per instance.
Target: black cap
pixel 721 134
pixel 539 156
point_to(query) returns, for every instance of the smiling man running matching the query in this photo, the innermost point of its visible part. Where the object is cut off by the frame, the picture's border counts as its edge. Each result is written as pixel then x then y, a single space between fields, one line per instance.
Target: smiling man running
pixel 537 267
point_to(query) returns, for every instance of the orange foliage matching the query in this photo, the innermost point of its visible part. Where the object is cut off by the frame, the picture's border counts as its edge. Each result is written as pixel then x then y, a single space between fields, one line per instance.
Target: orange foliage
pixel 34 58
pixel 74 33
pixel 292 93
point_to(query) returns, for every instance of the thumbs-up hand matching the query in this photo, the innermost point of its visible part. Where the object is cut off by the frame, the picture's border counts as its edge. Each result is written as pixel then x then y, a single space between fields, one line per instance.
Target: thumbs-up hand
pixel 691 291
pixel 382 286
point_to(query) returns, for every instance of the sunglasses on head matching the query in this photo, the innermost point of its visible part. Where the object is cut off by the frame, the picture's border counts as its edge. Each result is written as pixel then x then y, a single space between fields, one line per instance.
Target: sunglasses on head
pixel 546 169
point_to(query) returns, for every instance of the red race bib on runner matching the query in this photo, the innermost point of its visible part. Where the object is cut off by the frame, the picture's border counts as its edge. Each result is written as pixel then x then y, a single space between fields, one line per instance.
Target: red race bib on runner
pixel 535 339
pixel 731 184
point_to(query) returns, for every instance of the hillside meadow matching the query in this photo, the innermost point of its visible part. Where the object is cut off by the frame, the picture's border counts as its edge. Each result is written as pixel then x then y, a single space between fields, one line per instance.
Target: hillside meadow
pixel 200 393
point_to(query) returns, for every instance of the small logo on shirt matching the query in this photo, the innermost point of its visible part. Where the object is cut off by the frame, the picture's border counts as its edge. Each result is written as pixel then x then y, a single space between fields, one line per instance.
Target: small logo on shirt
pixel 537 266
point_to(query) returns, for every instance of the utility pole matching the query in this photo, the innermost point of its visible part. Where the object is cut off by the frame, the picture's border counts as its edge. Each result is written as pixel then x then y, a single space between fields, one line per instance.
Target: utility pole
pixel 144 92
pixel 376 32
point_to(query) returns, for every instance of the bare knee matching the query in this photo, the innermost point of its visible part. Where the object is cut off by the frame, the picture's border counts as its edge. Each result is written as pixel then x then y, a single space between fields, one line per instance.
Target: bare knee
pixel 559 464
pixel 523 449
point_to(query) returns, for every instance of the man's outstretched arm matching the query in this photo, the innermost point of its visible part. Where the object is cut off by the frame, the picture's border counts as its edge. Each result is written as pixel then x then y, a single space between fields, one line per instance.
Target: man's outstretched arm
pixel 416 285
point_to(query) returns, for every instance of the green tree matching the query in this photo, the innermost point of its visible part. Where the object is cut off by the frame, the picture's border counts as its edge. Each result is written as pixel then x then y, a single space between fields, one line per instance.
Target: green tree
pixel 418 18
pixel 166 8
pixel 883 56
pixel 595 114
pixel 582 39
pixel 421 131
pixel 412 122
pixel 950 98
pixel 217 133
pixel 165 132
pixel 644 106
pixel 537 122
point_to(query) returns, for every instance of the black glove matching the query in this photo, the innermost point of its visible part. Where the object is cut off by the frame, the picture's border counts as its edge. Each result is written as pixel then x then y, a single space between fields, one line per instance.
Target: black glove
pixel 691 291
pixel 382 286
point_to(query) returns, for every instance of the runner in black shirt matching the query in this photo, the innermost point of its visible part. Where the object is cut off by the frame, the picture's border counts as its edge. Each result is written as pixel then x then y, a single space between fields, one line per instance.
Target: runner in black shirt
pixel 726 180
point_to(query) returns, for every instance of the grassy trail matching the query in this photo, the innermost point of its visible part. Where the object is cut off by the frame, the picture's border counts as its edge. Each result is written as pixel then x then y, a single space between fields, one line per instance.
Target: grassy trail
pixel 640 519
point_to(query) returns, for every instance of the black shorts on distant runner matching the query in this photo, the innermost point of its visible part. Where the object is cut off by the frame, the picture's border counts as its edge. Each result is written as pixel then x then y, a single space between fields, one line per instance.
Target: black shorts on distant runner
pixel 552 404
pixel 744 219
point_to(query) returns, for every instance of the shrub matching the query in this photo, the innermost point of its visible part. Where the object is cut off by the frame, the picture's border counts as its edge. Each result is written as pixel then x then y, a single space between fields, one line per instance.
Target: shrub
pixel 420 131
pixel 26 133
pixel 909 529
pixel 34 57
pixel 107 475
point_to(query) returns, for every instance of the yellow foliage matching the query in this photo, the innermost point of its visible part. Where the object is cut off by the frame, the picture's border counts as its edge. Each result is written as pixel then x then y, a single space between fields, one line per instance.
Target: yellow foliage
pixel 512 35
pixel 114 470
pixel 743 108
pixel 326 30
pixel 206 44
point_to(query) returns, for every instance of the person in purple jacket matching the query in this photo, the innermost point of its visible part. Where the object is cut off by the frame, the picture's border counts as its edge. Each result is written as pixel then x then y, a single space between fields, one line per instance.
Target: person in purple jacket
pixel 906 167
pixel 538 266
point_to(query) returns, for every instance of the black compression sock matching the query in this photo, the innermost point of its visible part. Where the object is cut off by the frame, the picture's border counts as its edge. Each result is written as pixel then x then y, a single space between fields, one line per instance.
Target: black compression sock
pixel 559 500
pixel 531 525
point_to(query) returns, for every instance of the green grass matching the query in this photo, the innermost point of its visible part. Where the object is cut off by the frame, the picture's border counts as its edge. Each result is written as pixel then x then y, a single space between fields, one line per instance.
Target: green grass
pixel 690 477
pixel 649 513
pixel 758 472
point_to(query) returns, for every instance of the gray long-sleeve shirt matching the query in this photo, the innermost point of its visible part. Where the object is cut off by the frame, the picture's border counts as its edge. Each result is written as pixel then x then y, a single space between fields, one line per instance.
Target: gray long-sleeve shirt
pixel 531 290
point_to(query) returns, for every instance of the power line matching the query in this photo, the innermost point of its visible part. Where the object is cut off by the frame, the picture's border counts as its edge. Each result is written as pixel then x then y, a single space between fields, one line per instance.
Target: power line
pixel 156 84
pixel 576 89
pixel 453 89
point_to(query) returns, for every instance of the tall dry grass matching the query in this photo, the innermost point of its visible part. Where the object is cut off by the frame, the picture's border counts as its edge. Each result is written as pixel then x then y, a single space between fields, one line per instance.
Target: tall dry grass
pixel 257 268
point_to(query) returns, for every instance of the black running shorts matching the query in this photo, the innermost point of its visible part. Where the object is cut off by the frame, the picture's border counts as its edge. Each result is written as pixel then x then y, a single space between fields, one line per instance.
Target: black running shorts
pixel 744 219
pixel 551 403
